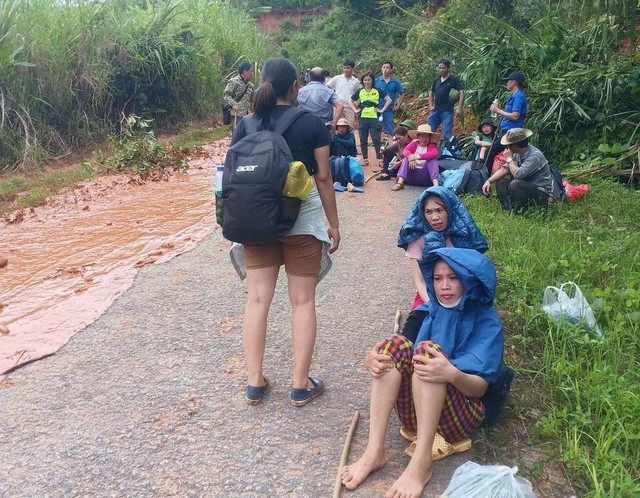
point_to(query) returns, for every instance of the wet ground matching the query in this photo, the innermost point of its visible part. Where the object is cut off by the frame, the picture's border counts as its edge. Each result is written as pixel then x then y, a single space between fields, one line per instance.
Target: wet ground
pixel 69 260
pixel 148 399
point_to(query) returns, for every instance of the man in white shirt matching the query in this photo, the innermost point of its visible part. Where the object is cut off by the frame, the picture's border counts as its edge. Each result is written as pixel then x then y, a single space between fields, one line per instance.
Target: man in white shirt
pixel 345 85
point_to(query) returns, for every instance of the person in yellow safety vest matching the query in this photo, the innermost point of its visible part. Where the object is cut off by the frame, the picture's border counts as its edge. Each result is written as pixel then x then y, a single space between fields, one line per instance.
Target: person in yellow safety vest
pixel 366 102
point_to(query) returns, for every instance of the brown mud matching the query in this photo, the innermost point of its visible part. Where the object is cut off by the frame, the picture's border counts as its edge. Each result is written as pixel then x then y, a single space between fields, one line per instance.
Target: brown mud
pixel 63 264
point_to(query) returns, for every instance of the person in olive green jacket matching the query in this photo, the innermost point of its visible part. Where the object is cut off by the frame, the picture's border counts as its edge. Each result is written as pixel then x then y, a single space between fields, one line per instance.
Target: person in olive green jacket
pixel 239 93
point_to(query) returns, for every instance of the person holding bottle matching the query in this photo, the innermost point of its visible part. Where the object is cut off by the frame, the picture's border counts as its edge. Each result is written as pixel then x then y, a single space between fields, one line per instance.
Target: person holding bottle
pixel 513 114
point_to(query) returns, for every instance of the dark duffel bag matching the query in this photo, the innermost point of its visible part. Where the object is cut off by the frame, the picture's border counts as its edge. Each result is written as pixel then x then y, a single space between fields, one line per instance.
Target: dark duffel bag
pixel 226 114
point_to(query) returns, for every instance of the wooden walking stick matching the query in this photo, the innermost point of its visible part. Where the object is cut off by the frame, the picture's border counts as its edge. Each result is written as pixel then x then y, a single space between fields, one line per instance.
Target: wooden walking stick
pixel 373 175
pixel 345 453
pixel 396 322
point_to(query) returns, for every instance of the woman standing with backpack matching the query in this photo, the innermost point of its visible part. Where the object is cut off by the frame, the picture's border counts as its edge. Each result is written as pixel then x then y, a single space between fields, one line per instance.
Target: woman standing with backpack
pixel 301 250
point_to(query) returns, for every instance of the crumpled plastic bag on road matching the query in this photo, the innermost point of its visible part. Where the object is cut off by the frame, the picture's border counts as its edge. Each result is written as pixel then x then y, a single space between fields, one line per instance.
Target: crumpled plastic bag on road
pixel 472 480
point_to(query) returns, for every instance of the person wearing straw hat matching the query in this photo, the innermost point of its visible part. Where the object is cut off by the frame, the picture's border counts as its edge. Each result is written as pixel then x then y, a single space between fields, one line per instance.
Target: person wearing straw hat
pixel 343 143
pixel 529 169
pixel 420 165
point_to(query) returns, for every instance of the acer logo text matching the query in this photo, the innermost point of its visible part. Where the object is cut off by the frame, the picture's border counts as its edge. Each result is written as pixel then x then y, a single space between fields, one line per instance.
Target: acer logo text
pixel 246 168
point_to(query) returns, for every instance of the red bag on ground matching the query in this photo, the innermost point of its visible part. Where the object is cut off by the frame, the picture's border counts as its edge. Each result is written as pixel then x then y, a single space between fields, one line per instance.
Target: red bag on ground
pixel 575 192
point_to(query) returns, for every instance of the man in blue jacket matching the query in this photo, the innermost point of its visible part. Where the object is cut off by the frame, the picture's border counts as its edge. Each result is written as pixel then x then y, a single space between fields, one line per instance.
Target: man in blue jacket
pixel 393 88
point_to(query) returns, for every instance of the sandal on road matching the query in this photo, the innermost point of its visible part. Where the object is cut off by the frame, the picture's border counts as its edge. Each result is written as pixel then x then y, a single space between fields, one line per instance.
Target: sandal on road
pixel 254 394
pixel 397 186
pixel 384 177
pixel 302 396
pixel 365 162
pixel 408 435
pixel 441 448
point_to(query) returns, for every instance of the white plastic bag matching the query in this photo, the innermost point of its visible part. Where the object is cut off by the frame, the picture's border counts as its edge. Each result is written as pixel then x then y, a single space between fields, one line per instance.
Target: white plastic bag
pixel 568 302
pixel 472 480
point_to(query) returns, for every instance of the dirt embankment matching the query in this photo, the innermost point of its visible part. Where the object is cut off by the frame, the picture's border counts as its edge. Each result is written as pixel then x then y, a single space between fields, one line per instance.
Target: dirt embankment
pixel 270 22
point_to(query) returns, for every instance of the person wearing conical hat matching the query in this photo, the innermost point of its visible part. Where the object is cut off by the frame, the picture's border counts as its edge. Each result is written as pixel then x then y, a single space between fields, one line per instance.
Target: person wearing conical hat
pixel 420 165
pixel 530 182
pixel 343 143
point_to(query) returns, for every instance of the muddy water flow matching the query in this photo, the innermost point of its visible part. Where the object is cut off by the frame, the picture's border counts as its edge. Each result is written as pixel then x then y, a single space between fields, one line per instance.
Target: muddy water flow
pixel 68 261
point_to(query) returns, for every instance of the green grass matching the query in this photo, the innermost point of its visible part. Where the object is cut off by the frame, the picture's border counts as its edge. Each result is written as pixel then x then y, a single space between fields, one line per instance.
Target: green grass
pixel 587 388
pixel 94 63
pixel 18 192
pixel 190 137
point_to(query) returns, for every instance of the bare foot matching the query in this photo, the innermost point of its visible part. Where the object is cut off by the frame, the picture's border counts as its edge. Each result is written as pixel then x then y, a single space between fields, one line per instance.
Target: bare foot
pixel 353 475
pixel 410 484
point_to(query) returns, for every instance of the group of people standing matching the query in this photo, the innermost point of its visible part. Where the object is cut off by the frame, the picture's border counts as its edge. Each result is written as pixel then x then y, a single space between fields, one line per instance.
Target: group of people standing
pixel 438 371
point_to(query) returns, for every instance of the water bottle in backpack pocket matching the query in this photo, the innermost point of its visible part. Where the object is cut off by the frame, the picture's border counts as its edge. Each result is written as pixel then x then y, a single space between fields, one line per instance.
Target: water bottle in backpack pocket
pixel 219 201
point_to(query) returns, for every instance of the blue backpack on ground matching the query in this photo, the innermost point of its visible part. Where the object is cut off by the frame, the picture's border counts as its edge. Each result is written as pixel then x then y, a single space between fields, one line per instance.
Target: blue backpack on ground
pixel 255 171
pixel 346 170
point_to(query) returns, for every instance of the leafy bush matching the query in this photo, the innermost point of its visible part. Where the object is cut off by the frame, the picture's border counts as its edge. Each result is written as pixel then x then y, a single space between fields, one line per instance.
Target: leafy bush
pixel 322 41
pixel 68 70
pixel 583 88
pixel 138 150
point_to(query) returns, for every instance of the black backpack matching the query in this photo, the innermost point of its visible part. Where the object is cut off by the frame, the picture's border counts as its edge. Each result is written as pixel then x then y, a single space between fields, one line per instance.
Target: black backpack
pixel 451 147
pixel 255 172
pixel 496 395
pixel 476 177
pixel 340 171
pixel 557 186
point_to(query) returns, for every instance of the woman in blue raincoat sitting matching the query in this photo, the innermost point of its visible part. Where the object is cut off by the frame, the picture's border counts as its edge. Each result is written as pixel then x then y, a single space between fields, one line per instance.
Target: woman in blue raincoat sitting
pixel 438 219
pixel 436 382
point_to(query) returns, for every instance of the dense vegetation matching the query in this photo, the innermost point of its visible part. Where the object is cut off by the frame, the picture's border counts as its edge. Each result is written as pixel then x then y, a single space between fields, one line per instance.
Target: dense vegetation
pixel 580 58
pixel 69 71
pixel 257 6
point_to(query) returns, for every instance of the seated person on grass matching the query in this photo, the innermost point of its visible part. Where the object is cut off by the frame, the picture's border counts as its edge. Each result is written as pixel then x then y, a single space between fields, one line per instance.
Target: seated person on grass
pixel 392 155
pixel 343 143
pixel 420 164
pixel 531 177
pixel 484 139
pixel 436 382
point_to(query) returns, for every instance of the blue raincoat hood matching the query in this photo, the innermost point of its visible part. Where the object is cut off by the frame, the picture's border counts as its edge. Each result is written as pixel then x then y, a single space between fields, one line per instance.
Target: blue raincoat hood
pixel 460 227
pixel 471 334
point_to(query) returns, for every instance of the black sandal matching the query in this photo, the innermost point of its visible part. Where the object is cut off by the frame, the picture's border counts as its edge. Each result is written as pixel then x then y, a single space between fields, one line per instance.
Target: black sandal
pixel 383 177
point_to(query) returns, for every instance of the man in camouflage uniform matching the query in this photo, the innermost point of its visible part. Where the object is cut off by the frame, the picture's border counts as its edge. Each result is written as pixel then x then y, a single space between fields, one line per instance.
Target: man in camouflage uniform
pixel 239 93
